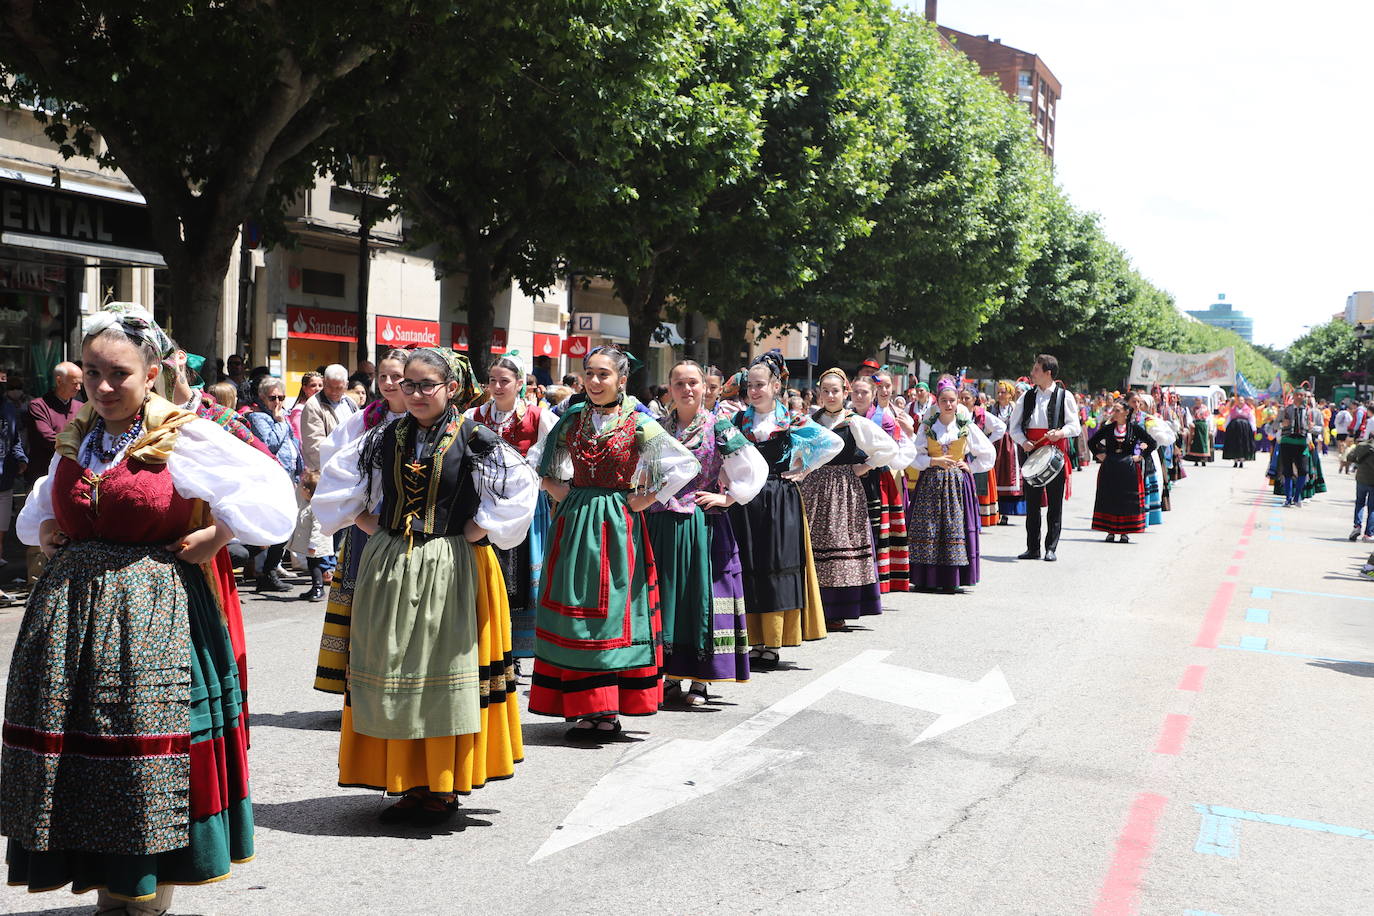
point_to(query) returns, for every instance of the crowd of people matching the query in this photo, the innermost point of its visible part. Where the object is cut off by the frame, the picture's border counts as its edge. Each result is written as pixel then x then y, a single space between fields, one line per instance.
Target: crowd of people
pixel 632 554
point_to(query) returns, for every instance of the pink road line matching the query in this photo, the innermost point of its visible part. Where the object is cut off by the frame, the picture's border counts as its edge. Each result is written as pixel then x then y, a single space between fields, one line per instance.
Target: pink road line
pixel 1233 571
pixel 1172 734
pixel 1192 678
pixel 1238 555
pixel 1243 542
pixel 1120 894
pixel 1216 616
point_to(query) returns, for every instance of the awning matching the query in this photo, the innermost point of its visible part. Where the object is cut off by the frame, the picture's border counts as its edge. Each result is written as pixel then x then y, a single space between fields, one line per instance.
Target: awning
pixel 83 249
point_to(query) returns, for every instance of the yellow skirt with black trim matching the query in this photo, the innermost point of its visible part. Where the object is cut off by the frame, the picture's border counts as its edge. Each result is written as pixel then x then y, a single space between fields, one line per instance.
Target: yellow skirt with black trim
pixel 790 627
pixel 452 763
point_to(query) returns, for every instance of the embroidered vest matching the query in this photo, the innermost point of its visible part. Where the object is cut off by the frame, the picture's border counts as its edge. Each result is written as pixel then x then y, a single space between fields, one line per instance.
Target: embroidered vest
pixel 436 497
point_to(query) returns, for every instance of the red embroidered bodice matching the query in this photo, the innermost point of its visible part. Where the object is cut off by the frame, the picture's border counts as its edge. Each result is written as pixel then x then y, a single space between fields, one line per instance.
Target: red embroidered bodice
pixel 131 503
pixel 521 432
pixel 608 460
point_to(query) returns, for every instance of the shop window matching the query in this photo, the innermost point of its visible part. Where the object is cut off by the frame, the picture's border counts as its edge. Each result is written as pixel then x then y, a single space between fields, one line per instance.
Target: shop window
pixel 322 283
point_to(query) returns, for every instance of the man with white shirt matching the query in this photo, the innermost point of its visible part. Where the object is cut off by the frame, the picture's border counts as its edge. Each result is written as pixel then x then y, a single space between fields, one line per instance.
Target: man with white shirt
pixel 1340 424
pixel 1045 416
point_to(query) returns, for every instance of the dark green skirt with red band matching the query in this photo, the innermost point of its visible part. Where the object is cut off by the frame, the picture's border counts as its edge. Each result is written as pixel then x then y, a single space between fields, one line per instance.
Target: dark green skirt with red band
pixel 124 766
pixel 598 627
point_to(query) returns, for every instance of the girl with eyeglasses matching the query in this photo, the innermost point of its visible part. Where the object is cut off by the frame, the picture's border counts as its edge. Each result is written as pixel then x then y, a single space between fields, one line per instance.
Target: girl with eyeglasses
pixel 431 711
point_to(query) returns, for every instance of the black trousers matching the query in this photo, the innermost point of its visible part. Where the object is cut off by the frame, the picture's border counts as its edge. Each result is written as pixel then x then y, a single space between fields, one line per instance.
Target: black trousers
pixel 1054 514
pixel 1292 460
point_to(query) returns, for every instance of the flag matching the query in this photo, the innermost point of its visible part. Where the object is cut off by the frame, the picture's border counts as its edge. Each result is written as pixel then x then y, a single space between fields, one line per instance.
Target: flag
pixel 1243 388
pixel 1275 389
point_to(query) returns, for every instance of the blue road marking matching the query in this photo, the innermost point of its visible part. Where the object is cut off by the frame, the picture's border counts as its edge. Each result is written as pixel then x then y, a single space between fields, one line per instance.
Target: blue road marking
pixel 1258 592
pixel 1256 643
pixel 1217 836
pixel 1275 537
pixel 1315 658
pixel 1256 615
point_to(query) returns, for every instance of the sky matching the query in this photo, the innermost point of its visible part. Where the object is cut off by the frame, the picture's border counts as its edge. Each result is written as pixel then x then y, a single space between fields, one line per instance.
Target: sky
pixel 1228 147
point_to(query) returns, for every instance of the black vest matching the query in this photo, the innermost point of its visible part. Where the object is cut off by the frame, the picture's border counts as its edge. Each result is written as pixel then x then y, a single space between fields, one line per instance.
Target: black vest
pixel 1054 413
pixel 437 497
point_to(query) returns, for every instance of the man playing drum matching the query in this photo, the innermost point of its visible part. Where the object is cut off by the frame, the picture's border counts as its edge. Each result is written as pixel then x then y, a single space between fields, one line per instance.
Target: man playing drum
pixel 1046 416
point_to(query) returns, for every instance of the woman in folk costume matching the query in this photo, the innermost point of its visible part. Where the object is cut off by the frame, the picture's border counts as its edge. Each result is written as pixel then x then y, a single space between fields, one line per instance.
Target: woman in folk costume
pixel 985 482
pixel 1240 432
pixel 431 710
pixel 1200 448
pixel 884 489
pixel 332 658
pixel 124 765
pixel 1010 500
pixel 598 644
pixel 837 505
pixel 524 426
pixel 950 449
pixel 781 596
pixel 704 634
pixel 177 368
pixel 1122 445
pixel 1155 488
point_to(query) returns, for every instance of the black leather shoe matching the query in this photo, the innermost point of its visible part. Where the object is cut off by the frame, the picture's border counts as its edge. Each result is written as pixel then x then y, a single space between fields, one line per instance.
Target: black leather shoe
pixel 1050 557
pixel 1029 555
pixel 272 584
pixel 315 593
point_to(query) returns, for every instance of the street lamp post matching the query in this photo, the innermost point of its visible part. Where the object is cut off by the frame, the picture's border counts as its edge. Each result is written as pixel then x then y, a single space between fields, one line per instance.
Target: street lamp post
pixel 364 177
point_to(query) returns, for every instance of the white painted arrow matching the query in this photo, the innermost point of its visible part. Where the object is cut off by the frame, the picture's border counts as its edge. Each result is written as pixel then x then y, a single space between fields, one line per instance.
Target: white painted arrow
pixel 663 773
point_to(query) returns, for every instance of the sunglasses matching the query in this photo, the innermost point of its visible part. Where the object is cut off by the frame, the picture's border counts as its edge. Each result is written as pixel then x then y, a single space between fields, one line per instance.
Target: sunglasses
pixel 275 397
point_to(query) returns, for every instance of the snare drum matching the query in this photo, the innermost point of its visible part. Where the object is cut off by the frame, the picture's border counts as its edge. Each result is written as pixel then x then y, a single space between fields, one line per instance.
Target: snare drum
pixel 1043 466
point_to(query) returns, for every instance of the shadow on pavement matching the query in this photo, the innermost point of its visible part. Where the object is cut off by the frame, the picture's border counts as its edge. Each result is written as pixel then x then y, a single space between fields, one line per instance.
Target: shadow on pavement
pixel 62 911
pixel 554 736
pixel 1358 669
pixel 356 815
pixel 320 720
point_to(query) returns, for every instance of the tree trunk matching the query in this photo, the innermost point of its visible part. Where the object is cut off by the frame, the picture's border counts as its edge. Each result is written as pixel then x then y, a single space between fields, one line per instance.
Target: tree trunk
pixel 644 305
pixel 481 313
pixel 733 328
pixel 832 341
pixel 197 296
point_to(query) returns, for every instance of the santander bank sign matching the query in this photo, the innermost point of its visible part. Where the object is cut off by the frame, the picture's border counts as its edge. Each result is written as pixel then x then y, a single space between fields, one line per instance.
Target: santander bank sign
pixel 403 332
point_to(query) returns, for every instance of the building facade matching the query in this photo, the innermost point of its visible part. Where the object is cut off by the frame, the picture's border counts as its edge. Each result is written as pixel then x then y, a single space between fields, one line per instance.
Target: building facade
pixel 72 236
pixel 1359 308
pixel 1021 75
pixel 1222 314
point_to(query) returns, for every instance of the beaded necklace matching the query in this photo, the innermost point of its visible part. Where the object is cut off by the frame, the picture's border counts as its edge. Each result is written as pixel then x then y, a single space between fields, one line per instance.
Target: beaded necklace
pixel 95 447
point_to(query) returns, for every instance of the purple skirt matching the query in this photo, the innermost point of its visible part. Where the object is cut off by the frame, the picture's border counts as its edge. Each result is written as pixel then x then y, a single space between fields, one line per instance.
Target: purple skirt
pixel 945 530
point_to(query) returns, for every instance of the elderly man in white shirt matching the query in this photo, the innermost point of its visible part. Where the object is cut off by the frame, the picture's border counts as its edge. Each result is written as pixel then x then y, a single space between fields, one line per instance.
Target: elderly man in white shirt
pixel 322 413
pixel 1046 415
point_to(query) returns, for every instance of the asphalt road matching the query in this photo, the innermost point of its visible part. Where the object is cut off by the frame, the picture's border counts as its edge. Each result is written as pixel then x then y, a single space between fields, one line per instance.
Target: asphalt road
pixel 1190 733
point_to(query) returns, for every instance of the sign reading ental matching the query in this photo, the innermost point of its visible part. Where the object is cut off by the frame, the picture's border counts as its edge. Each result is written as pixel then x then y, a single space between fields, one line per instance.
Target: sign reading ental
pixel 48 212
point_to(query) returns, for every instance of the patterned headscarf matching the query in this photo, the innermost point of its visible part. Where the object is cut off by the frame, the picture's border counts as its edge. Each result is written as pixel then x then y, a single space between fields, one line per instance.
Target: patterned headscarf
pixel 468 389
pixel 134 320
pixel 773 361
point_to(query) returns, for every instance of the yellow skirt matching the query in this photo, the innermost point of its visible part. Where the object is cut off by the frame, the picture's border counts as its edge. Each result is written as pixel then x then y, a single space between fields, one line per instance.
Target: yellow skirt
pixel 776 629
pixel 452 763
